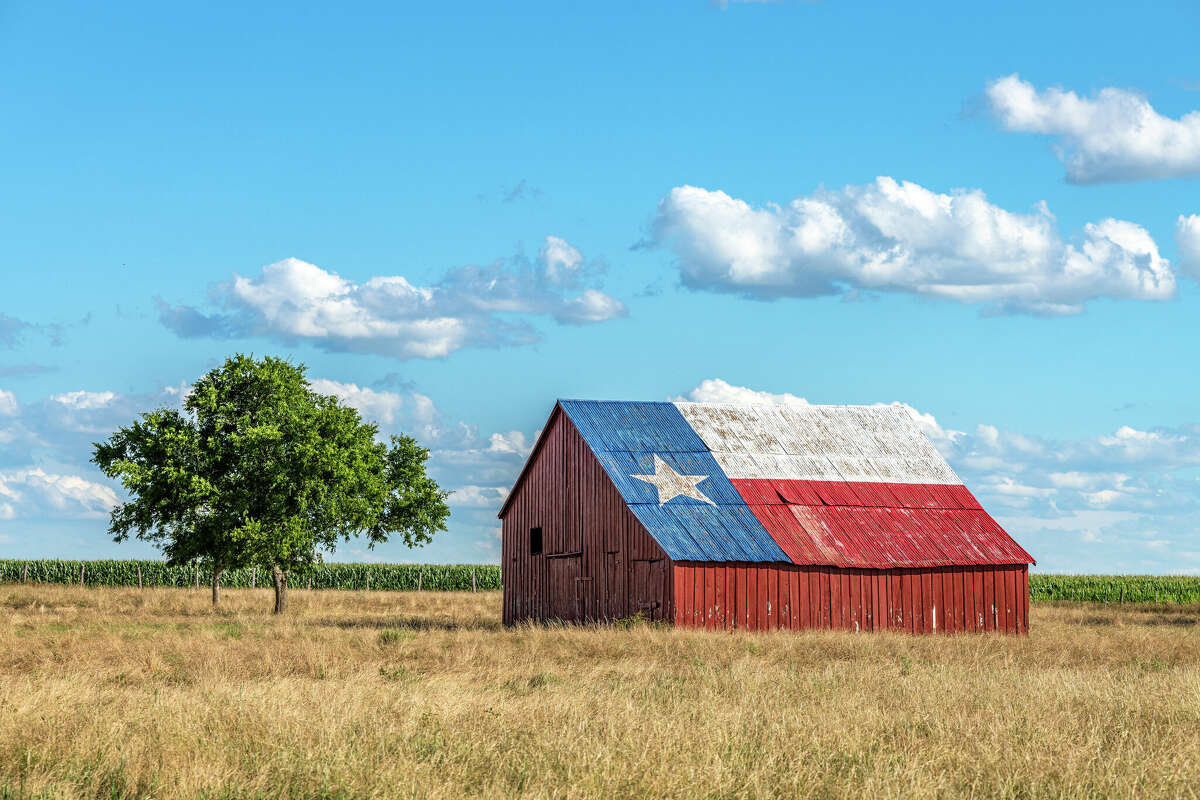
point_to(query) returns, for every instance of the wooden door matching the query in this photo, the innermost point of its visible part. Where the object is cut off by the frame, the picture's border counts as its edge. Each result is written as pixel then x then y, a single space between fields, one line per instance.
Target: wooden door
pixel 563 592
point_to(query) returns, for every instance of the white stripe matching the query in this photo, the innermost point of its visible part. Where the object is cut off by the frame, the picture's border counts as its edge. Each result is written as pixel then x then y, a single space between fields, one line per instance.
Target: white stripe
pixel 818 443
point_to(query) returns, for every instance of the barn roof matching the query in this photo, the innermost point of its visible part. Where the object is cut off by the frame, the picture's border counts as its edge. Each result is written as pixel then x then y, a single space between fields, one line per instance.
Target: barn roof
pixel 845 486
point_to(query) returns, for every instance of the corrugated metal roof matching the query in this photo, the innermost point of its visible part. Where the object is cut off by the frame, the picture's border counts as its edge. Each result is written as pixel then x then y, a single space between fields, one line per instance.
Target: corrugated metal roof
pixel 848 486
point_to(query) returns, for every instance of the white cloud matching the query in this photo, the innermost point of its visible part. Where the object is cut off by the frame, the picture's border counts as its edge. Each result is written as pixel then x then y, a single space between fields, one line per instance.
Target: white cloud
pixel 560 260
pixel 1187 241
pixel 715 390
pixel 373 405
pixel 1082 480
pixel 8 404
pixel 84 401
pixel 1102 498
pixel 512 442
pixel 892 236
pixel 34 491
pixel 1009 487
pixel 479 496
pixel 1115 135
pixel 590 306
pixel 387 315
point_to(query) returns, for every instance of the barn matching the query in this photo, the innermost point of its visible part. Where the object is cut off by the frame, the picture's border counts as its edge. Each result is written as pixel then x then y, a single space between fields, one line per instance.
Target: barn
pixel 755 517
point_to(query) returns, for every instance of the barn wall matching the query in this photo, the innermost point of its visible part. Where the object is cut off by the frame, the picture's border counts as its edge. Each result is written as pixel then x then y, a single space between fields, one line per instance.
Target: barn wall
pixel 597 562
pixel 771 596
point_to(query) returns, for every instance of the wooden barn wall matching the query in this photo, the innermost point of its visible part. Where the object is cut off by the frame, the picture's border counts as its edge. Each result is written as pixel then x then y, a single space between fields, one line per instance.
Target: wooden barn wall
pixel 597 561
pixel 761 597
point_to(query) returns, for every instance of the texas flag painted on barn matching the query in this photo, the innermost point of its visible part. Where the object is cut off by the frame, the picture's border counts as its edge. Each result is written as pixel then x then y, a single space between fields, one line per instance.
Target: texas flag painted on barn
pixel 846 486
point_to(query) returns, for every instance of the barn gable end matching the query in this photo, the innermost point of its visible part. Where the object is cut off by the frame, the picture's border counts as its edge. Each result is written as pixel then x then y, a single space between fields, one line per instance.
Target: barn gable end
pixel 597 560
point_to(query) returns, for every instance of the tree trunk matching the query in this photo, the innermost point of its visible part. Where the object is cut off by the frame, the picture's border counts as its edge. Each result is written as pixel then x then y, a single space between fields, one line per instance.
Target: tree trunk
pixel 217 585
pixel 279 578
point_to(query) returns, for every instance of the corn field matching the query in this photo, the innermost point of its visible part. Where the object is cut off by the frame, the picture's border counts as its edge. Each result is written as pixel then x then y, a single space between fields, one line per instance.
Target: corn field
pixel 386 577
pixel 1115 588
pixel 458 577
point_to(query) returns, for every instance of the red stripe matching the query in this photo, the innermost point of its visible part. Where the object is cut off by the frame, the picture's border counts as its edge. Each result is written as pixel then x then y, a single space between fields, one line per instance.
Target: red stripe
pixel 878 525
pixel 773 491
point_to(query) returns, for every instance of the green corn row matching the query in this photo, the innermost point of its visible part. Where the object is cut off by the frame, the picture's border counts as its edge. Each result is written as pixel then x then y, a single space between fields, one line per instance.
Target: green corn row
pixel 457 577
pixel 385 577
pixel 1114 588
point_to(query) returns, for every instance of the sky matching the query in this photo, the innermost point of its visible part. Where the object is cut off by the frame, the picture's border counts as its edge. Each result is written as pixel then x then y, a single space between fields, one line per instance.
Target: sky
pixel 455 213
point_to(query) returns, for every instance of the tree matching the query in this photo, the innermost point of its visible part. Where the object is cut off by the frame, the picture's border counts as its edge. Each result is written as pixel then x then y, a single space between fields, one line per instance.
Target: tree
pixel 260 470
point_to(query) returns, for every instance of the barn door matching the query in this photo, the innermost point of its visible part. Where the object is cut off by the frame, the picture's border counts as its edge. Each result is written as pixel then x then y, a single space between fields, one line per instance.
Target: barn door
pixel 649 587
pixel 564 588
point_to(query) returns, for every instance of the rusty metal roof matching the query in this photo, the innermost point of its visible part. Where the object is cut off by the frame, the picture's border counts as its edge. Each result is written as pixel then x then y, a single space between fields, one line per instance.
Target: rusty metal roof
pixel 846 486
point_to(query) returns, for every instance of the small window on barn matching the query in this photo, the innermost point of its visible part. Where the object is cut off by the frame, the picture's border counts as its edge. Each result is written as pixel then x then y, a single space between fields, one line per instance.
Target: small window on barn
pixel 535 541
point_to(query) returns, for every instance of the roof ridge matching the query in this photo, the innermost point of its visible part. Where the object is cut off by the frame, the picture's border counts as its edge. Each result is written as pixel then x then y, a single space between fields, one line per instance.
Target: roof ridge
pixel 893 404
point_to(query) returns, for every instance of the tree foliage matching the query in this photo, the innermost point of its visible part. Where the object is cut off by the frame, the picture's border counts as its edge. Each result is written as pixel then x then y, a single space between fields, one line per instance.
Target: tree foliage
pixel 260 470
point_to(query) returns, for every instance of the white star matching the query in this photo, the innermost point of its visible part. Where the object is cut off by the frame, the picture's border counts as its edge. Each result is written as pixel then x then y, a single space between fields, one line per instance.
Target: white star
pixel 670 484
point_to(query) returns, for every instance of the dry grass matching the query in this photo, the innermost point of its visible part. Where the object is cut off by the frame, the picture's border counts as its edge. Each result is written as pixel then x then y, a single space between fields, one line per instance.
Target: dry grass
pixel 115 692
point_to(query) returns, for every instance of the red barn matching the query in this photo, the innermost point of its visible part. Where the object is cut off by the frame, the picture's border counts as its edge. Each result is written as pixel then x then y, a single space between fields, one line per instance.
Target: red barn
pixel 757 517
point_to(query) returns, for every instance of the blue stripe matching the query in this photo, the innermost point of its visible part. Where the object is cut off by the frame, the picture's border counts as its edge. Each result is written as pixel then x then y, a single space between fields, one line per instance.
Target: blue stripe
pixel 625 437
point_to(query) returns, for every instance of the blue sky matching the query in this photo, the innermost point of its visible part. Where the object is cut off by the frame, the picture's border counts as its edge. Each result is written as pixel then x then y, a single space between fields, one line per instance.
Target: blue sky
pixel 455 213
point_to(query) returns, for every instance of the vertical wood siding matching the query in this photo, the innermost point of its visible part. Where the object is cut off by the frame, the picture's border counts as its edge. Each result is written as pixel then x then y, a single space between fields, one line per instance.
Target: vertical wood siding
pixel 761 597
pixel 598 562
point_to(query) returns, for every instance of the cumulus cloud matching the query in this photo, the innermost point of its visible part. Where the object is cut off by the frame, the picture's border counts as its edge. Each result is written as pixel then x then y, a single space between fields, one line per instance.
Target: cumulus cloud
pixel 84 400
pixel 1187 241
pixel 897 236
pixel 34 492
pixel 1115 135
pixel 715 390
pixel 293 300
pixel 512 442
pixel 560 261
pixel 478 496
pixel 375 406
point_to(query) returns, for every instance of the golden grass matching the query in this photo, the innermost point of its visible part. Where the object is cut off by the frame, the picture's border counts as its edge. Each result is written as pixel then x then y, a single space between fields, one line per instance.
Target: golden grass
pixel 116 692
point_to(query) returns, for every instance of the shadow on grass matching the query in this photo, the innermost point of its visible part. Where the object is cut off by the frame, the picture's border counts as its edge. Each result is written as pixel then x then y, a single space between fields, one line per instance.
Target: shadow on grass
pixel 1145 618
pixel 1177 620
pixel 412 624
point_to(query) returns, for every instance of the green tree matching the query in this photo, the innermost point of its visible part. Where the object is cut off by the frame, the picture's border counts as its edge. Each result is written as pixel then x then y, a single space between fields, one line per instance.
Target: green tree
pixel 260 470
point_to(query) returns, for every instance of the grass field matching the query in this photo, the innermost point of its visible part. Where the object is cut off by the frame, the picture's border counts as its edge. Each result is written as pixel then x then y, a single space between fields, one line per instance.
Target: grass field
pixel 121 693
